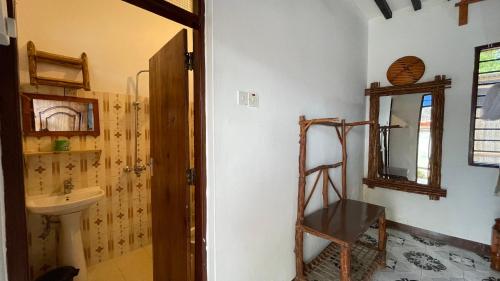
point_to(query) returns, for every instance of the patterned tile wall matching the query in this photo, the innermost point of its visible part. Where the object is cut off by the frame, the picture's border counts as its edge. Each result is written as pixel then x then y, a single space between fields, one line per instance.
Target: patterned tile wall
pixel 120 222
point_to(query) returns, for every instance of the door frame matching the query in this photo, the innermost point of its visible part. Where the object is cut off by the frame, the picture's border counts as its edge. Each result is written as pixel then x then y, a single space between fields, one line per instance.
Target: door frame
pixel 11 139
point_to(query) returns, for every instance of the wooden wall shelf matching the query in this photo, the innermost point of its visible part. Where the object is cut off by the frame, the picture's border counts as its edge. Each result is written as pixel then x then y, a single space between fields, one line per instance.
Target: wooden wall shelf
pixel 35 57
pixel 37 153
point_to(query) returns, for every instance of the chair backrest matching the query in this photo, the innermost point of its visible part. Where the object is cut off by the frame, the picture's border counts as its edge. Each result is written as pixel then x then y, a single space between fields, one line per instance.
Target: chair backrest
pixel 321 170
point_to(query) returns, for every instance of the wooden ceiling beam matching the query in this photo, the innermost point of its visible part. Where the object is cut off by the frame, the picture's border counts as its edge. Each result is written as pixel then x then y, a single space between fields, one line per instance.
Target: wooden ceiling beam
pixel 384 8
pixel 169 11
pixel 463 10
pixel 417 4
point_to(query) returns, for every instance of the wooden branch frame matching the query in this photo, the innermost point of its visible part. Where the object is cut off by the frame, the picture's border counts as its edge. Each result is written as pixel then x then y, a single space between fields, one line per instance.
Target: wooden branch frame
pixel 342 129
pixel 35 57
pixel 323 172
pixel 437 89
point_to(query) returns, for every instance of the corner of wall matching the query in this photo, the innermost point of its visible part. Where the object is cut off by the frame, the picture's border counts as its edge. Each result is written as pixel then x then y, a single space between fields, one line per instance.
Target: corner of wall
pixel 209 133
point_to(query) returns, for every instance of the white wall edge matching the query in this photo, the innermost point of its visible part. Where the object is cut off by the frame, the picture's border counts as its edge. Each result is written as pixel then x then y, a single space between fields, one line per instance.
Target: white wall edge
pixel 210 161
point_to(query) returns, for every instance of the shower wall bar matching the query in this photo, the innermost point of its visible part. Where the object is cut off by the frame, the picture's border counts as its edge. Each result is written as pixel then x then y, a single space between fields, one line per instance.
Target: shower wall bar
pixel 138 167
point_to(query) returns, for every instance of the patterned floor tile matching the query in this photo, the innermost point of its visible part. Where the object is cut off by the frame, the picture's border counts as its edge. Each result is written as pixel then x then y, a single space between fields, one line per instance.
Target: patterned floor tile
pixel 481 276
pixel 396 264
pixel 396 276
pixel 416 258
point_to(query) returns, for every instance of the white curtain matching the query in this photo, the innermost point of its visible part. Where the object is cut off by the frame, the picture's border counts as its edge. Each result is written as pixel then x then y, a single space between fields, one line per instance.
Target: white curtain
pixel 491 111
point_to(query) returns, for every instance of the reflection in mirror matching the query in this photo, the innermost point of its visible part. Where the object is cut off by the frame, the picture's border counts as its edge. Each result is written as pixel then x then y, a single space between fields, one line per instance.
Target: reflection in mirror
pixel 424 140
pixel 52 115
pixel 62 116
pixel 405 143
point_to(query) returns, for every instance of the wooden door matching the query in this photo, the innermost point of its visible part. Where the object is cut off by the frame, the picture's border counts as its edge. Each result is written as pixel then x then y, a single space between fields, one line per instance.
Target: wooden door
pixel 168 82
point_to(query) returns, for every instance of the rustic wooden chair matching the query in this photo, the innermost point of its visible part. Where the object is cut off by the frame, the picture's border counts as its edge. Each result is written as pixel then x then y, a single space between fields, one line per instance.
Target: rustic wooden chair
pixel 342 222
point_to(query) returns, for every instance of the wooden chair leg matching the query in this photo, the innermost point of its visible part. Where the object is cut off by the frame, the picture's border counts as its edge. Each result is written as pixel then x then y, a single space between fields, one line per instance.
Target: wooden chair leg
pixel 299 254
pixel 382 237
pixel 345 263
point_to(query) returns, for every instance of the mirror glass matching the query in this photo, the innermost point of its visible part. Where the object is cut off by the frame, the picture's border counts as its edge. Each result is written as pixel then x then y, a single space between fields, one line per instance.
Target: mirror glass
pixel 54 115
pixel 405 137
pixel 62 116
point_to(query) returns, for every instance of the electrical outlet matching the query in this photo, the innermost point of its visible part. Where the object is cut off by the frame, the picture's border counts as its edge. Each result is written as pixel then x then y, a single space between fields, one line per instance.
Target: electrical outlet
pixel 253 99
pixel 242 98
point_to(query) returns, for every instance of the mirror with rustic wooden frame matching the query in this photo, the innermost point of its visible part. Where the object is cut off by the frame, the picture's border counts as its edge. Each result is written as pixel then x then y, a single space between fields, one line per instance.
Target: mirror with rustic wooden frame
pixel 431 183
pixel 50 115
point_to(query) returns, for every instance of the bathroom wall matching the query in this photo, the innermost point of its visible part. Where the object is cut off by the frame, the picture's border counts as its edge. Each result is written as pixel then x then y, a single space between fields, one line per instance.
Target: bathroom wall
pixel 121 221
pixel 433 34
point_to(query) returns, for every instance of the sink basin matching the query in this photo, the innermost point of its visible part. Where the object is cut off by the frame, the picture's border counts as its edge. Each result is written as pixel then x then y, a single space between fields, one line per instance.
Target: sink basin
pixel 63 204
pixel 68 207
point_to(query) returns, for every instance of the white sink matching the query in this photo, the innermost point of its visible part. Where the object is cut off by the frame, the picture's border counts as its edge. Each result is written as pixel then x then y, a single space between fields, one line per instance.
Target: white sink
pixel 68 207
pixel 63 204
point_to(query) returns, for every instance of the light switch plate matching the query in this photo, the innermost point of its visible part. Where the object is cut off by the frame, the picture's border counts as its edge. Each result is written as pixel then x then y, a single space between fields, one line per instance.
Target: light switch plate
pixel 253 99
pixel 242 98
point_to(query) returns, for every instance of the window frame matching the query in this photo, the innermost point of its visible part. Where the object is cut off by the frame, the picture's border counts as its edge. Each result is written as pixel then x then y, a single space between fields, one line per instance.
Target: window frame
pixel 475 82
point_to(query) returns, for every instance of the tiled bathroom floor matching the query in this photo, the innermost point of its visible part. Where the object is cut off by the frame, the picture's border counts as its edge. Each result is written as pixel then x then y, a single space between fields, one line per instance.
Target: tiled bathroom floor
pixel 134 266
pixel 409 258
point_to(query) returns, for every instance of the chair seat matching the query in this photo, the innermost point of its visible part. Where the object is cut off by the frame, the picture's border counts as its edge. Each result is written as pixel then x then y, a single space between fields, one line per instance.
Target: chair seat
pixel 343 221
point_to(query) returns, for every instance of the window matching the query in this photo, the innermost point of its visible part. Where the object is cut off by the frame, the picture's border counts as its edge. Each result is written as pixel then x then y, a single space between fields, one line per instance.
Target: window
pixel 484 146
pixel 424 140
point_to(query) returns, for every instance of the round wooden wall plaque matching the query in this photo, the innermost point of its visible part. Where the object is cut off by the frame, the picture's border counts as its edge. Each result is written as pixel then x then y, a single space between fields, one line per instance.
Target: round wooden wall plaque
pixel 405 71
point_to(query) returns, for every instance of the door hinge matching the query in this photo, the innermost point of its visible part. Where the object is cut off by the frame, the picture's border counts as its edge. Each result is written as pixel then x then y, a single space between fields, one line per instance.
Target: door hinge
pixel 191 176
pixel 189 60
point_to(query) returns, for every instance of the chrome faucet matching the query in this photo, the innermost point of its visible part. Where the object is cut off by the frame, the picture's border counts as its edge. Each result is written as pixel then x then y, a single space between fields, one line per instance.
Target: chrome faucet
pixel 68 186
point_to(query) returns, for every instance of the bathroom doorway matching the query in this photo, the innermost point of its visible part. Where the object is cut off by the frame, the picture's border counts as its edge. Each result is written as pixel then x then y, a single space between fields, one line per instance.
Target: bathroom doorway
pixel 193 238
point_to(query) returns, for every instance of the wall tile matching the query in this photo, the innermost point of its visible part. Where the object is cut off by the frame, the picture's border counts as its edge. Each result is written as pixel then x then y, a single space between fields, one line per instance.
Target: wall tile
pixel 121 221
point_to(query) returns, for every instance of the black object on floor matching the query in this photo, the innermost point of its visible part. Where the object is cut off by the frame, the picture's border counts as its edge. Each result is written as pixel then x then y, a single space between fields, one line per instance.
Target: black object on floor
pixel 65 273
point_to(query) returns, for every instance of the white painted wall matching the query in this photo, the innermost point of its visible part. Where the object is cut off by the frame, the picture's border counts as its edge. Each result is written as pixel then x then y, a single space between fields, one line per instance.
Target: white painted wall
pixel 301 57
pixel 433 34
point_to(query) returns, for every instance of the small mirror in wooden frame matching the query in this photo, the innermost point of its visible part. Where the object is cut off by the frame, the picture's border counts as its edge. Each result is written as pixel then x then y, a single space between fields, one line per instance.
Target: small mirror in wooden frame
pixel 50 115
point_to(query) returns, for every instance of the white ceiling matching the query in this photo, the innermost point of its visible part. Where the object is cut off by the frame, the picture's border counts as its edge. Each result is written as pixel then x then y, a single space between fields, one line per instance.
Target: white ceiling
pixel 371 10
